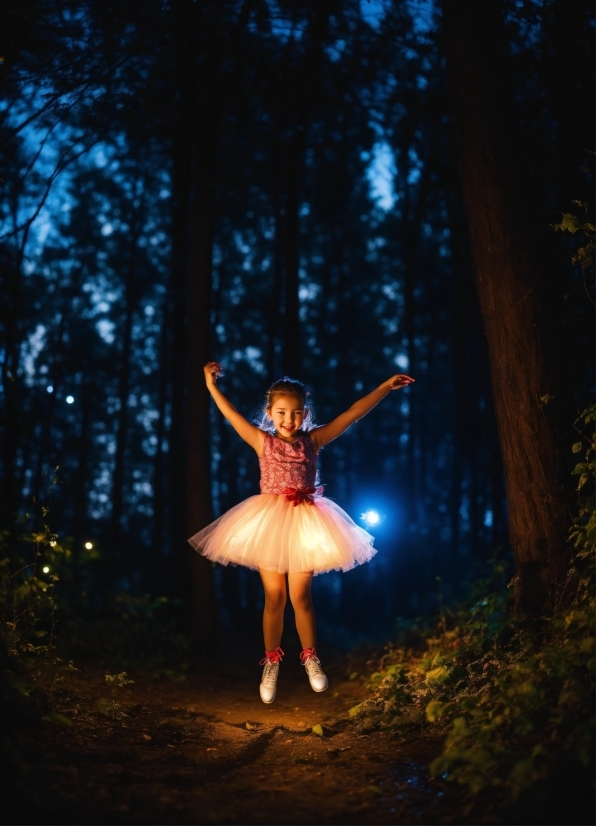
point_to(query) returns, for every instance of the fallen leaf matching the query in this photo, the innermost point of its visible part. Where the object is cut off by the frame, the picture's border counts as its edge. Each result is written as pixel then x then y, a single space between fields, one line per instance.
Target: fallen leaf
pixel 318 729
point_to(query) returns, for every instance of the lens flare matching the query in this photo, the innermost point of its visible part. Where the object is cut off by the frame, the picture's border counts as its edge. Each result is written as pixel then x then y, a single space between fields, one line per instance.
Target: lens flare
pixel 371 518
pixel 88 545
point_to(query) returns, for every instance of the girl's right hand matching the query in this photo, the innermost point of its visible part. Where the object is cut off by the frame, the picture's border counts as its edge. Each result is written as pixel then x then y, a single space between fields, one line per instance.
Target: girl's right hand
pixel 213 370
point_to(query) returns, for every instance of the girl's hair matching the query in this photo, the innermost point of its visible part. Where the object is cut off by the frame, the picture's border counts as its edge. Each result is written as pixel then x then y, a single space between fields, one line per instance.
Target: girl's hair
pixel 285 387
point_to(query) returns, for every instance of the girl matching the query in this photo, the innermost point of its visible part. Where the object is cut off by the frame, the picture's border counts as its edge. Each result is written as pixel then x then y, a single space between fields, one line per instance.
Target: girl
pixel 290 528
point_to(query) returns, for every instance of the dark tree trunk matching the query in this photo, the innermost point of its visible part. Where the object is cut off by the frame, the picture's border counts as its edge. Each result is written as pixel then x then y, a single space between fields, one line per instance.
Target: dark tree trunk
pixel 505 235
pixel 198 467
pixel 10 387
pixel 278 266
pixel 123 390
pixel 159 469
pixel 178 356
pixel 84 447
pixel 291 238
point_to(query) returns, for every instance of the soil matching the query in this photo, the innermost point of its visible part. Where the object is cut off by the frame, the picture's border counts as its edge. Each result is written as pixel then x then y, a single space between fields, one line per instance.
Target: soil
pixel 207 750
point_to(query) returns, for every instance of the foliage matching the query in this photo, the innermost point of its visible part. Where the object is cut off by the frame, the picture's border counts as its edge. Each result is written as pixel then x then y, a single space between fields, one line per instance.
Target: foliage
pixel 28 607
pixel 514 699
pixel 121 680
pixel 584 255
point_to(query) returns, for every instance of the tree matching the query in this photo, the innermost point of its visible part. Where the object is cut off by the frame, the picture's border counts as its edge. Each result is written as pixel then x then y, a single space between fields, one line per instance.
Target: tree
pixel 511 276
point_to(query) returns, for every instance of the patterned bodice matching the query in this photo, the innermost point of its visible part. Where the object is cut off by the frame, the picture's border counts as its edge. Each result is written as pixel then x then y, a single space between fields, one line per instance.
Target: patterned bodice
pixel 287 464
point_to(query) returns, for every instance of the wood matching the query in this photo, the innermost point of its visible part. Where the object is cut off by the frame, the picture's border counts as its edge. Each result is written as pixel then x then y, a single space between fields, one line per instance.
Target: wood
pixel 510 277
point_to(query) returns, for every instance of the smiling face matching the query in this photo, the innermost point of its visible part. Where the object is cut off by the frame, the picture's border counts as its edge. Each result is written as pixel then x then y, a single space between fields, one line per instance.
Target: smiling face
pixel 287 414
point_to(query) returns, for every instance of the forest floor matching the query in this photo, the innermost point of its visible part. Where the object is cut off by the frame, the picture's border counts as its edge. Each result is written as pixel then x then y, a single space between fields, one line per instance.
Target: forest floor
pixel 207 750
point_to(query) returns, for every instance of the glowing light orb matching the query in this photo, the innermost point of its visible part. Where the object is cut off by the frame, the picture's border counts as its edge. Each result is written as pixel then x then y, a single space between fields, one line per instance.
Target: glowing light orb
pixel 49 388
pixel 45 569
pixel 69 399
pixel 371 518
pixel 88 545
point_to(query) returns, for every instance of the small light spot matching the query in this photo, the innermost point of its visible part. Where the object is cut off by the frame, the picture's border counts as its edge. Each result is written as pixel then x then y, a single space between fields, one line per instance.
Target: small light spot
pixel 69 399
pixel 371 517
pixel 49 388
pixel 88 545
pixel 45 569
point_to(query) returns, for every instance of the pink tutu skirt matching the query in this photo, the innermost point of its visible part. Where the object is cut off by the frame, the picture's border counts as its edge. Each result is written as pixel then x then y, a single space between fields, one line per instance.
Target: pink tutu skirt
pixel 269 532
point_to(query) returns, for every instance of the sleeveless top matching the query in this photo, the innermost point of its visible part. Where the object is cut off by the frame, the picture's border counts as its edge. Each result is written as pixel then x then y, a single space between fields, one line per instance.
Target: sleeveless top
pixel 287 465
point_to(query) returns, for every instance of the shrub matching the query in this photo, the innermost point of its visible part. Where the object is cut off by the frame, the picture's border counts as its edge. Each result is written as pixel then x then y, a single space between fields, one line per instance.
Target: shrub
pixel 513 697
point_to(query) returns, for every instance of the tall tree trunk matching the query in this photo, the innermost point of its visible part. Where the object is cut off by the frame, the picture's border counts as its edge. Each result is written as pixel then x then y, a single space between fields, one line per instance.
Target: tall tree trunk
pixel 123 390
pixel 509 275
pixel 10 386
pixel 178 355
pixel 278 264
pixel 198 467
pixel 291 237
pixel 159 469
pixel 84 447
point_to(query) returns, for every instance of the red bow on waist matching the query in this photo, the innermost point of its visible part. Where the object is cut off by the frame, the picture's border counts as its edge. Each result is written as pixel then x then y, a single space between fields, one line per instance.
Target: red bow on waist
pixel 306 495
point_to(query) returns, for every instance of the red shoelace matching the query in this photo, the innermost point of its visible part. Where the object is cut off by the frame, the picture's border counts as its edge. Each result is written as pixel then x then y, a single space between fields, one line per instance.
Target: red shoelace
pixel 272 656
pixel 309 654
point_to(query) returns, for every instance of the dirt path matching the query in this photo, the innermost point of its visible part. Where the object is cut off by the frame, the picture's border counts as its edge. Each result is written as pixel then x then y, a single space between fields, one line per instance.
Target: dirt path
pixel 207 750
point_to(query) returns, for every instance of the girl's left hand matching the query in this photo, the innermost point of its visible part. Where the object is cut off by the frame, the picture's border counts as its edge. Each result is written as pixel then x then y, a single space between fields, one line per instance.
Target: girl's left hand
pixel 396 382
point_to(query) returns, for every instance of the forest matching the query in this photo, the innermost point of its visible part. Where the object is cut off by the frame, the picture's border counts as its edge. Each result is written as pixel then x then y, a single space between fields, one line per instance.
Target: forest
pixel 335 192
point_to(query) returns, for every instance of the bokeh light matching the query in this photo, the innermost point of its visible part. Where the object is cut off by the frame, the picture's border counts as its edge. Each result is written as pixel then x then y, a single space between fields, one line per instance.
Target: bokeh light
pixel 88 545
pixel 69 399
pixel 371 518
pixel 45 569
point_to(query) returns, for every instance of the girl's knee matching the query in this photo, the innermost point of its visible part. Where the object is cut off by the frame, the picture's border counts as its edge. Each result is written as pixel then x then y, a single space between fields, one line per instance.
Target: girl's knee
pixel 301 600
pixel 275 600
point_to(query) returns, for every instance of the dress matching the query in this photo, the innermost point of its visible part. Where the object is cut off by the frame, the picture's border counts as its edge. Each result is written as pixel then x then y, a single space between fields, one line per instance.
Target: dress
pixel 290 526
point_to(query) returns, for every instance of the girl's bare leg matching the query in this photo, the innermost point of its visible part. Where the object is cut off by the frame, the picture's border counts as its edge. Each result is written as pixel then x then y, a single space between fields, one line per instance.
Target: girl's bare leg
pixel 275 602
pixel 300 595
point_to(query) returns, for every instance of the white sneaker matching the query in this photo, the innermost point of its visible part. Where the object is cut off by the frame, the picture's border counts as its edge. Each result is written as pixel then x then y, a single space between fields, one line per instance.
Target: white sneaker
pixel 316 676
pixel 268 685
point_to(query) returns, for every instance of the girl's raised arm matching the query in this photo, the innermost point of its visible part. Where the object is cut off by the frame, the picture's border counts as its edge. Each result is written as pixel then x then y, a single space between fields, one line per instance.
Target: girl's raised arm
pixel 326 433
pixel 243 428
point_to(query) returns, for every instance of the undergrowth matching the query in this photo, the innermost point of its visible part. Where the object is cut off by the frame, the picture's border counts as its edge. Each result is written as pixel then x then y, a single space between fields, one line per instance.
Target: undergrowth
pixel 50 613
pixel 513 698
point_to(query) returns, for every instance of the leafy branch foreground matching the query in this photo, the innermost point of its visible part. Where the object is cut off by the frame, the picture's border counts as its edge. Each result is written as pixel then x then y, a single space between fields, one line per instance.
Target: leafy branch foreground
pixel 515 698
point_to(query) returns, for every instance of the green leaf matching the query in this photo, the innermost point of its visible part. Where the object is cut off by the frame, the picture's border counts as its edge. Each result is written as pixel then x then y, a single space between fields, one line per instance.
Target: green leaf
pixel 56 719
pixel 434 710
pixel 355 710
pixel 569 223
pixel 576 448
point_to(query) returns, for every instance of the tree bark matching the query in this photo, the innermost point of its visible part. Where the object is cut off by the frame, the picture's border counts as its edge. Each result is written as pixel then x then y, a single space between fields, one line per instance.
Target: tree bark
pixel 123 390
pixel 291 238
pixel 198 466
pixel 178 356
pixel 510 274
pixel 159 469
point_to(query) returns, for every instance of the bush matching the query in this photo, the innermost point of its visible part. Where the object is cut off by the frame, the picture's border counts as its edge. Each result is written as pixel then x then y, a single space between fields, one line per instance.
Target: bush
pixel 514 698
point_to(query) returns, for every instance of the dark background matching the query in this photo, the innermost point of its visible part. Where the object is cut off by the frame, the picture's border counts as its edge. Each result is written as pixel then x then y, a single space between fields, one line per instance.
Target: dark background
pixel 290 169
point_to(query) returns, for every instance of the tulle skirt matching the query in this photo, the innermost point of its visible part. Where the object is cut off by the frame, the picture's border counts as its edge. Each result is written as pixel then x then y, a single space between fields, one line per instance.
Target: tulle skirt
pixel 269 532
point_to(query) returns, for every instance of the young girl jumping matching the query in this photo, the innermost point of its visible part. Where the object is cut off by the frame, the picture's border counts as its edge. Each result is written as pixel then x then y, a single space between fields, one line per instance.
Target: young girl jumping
pixel 290 528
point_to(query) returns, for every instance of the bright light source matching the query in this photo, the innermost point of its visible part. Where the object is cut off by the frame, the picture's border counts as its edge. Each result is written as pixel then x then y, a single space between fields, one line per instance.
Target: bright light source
pixel 45 569
pixel 49 388
pixel 88 545
pixel 69 399
pixel 371 518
